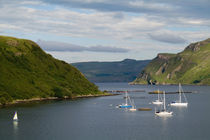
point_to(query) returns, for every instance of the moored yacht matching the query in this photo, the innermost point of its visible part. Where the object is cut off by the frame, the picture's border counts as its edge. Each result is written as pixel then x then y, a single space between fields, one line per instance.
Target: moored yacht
pixel 158 101
pixel 163 112
pixel 126 105
pixel 179 102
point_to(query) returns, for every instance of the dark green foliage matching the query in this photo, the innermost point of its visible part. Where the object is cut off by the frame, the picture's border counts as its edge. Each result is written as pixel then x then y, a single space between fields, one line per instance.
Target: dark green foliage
pixel 123 71
pixel 26 71
pixel 196 81
pixel 58 93
pixel 4 98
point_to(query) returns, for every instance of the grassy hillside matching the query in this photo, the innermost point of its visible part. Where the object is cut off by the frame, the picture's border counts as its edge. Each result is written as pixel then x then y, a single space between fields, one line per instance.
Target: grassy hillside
pixel 26 71
pixel 191 66
pixel 122 71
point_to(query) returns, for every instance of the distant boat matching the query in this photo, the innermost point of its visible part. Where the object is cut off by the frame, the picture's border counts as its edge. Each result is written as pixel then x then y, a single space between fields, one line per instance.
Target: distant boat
pixel 15 118
pixel 145 109
pixel 133 108
pixel 126 105
pixel 156 92
pixel 163 112
pixel 158 101
pixel 179 102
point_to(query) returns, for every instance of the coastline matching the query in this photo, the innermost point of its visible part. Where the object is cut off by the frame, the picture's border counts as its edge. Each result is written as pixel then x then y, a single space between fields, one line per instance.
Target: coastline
pixel 166 84
pixel 19 101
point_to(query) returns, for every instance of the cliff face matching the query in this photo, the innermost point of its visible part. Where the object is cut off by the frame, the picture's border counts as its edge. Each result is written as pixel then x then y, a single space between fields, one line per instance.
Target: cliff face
pixel 26 71
pixel 191 66
pixel 196 46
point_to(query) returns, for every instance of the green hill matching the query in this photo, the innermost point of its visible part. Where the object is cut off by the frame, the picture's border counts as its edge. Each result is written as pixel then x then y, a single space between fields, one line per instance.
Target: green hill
pixel 122 71
pixel 26 71
pixel 191 66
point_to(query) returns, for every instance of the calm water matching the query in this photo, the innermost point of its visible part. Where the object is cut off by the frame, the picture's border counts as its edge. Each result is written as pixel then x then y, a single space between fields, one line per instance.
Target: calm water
pixel 99 119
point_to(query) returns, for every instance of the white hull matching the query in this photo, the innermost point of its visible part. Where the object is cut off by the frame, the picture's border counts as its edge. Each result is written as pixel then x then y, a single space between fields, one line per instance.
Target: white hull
pixel 132 109
pixel 179 104
pixel 164 113
pixel 157 102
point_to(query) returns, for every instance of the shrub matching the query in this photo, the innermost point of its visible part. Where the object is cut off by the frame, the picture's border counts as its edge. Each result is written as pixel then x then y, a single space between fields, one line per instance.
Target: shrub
pixel 5 97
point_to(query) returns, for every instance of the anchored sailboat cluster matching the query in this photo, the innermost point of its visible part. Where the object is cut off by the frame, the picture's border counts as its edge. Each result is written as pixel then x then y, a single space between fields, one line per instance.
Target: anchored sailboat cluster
pixel 179 103
pixel 130 105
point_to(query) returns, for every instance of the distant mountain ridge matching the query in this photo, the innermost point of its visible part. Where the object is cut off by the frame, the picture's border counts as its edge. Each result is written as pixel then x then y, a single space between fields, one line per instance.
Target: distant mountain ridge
pixel 118 71
pixel 26 72
pixel 191 66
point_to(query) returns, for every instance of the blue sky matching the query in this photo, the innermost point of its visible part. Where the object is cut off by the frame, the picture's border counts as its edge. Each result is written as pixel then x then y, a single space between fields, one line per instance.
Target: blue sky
pixel 107 30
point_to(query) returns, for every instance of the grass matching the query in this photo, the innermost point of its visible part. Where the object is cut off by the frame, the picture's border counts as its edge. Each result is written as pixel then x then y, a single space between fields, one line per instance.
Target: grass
pixel 26 71
pixel 188 67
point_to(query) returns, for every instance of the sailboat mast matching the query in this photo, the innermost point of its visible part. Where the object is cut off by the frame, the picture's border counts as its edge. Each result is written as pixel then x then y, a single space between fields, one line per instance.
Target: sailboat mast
pixel 180 97
pixel 126 98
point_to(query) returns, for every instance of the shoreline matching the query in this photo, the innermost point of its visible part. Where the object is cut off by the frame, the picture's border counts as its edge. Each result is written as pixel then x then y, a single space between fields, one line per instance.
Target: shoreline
pixel 168 84
pixel 22 101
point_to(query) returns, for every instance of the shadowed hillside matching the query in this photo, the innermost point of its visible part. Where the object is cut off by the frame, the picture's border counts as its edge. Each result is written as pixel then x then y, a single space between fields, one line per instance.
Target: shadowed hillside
pixel 122 71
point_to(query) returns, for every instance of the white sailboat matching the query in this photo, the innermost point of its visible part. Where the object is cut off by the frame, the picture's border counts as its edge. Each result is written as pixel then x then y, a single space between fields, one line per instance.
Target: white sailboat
pixel 163 112
pixel 179 102
pixel 133 108
pixel 15 118
pixel 158 101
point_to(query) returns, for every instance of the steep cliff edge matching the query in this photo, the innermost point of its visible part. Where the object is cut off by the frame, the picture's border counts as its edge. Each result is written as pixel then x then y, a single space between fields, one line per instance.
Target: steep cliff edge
pixel 191 66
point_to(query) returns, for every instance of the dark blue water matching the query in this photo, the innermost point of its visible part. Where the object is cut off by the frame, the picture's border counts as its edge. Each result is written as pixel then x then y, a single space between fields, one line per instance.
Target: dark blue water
pixel 99 119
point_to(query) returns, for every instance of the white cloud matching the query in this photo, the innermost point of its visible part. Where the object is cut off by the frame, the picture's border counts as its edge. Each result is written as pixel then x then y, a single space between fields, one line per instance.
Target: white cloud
pixel 62 47
pixel 167 37
pixel 153 5
pixel 76 24
pixel 194 21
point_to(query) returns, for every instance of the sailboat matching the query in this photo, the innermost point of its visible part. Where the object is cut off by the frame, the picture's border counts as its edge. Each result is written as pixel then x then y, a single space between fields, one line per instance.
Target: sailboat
pixel 133 108
pixel 158 101
pixel 163 112
pixel 15 118
pixel 126 105
pixel 179 102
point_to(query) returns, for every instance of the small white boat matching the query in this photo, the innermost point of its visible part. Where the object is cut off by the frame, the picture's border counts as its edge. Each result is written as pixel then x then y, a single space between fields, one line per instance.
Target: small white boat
pixel 15 118
pixel 158 101
pixel 179 102
pixel 163 112
pixel 132 109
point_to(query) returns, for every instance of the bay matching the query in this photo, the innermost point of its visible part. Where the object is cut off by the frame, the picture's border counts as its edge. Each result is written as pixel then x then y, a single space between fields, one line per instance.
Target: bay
pixel 99 119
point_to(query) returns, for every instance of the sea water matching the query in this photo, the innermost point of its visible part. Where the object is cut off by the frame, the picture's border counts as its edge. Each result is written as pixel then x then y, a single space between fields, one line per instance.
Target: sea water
pixel 99 119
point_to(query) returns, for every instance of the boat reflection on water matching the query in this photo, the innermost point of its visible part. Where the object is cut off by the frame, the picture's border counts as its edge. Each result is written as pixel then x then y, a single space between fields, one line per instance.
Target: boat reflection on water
pixel 15 127
pixel 15 124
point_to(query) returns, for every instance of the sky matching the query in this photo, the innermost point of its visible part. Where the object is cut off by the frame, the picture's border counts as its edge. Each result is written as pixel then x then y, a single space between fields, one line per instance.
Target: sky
pixel 107 30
